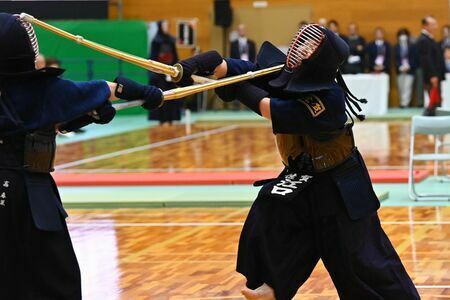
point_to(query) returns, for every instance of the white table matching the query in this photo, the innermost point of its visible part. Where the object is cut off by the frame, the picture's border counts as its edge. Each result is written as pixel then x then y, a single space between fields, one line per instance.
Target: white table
pixel 373 87
pixel 445 90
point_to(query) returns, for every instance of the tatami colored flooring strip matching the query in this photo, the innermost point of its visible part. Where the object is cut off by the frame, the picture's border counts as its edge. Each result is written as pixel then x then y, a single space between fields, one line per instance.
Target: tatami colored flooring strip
pixel 398 193
pixel 163 196
pixel 219 195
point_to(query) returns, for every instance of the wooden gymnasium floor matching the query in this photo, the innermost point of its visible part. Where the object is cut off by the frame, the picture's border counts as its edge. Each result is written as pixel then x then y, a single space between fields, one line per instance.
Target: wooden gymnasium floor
pixel 189 253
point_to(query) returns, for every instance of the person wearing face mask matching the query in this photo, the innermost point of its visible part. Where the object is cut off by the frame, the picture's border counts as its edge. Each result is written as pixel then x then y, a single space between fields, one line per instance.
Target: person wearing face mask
pixel 406 63
pixel 379 53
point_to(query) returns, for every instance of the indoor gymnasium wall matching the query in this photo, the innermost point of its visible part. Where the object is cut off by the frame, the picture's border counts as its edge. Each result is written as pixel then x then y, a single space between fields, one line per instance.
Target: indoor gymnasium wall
pixel 390 14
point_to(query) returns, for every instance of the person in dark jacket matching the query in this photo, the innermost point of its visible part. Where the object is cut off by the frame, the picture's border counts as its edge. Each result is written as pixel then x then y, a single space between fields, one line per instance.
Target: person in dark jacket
pixel 445 41
pixel 447 59
pixel 406 59
pixel 243 48
pixel 322 206
pixel 379 53
pixel 357 44
pixel 432 63
pixel 164 50
pixel 37 260
pixel 333 25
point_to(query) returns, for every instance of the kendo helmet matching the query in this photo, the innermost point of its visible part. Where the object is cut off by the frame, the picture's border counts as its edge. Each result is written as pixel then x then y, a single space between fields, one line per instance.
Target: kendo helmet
pixel 312 64
pixel 19 49
pixel 313 60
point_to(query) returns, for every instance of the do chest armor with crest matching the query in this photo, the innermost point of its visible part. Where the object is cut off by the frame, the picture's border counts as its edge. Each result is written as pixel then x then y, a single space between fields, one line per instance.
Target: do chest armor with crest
pixel 323 152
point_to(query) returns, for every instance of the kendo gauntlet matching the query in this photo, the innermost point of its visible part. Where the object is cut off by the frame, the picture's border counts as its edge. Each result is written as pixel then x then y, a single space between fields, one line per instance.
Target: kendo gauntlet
pixel 128 89
pixel 202 64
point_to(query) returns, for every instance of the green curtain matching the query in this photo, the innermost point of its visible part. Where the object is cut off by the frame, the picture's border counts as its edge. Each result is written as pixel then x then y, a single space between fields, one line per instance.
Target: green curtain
pixel 127 36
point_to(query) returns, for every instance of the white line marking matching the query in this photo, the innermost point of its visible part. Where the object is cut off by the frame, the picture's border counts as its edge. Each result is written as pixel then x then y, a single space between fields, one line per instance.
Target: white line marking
pixel 397 167
pixel 220 224
pixel 176 170
pixel 87 224
pixel 146 147
pixel 433 286
pixel 226 169
pixel 416 222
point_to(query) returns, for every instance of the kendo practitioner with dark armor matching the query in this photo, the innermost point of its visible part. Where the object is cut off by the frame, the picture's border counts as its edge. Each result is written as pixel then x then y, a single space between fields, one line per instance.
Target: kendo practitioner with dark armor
pixel 37 260
pixel 322 206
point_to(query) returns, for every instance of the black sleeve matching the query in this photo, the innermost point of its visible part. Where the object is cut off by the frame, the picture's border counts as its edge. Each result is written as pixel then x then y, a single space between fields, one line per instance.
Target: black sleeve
pixel 252 51
pixel 387 59
pixel 425 59
pixel 370 59
pixel 309 115
pixel 234 50
pixel 413 55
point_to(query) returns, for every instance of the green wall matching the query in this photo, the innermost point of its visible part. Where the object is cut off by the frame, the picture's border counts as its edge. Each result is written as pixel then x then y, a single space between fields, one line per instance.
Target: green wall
pixel 127 36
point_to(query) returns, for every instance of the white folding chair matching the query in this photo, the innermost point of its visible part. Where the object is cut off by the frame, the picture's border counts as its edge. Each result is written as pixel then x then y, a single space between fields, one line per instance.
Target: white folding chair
pixel 436 126
pixel 439 144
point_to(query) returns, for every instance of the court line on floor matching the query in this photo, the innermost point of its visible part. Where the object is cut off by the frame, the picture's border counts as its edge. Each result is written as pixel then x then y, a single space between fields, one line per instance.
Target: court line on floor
pixel 222 224
pixel 226 169
pixel 433 286
pixel 146 147
pixel 178 170
pixel 308 294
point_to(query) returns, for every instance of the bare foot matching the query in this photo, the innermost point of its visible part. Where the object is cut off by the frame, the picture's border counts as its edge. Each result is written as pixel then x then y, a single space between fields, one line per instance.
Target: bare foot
pixel 264 292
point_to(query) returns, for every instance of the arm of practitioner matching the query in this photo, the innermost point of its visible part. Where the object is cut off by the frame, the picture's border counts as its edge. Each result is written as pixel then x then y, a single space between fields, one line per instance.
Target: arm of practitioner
pixel 121 88
pixel 212 63
pixel 310 114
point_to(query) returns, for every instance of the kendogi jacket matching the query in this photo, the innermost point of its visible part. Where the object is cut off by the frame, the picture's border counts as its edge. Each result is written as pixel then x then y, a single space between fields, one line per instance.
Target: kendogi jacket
pixel 30 109
pixel 312 133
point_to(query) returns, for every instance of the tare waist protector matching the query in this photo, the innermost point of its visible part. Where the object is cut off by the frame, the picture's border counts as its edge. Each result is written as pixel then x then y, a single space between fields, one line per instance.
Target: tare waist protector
pixel 324 152
pixel 33 152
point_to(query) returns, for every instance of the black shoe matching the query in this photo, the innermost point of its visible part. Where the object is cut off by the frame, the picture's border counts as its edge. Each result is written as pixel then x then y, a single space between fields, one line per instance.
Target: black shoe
pixel 78 131
pixel 429 112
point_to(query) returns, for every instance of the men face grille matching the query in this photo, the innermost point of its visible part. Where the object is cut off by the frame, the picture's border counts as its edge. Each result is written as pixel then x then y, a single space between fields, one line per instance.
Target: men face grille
pixel 304 44
pixel 31 35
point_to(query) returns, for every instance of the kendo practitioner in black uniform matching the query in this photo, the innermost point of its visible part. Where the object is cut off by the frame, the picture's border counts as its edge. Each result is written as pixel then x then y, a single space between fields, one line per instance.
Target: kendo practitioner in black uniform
pixel 37 260
pixel 322 206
